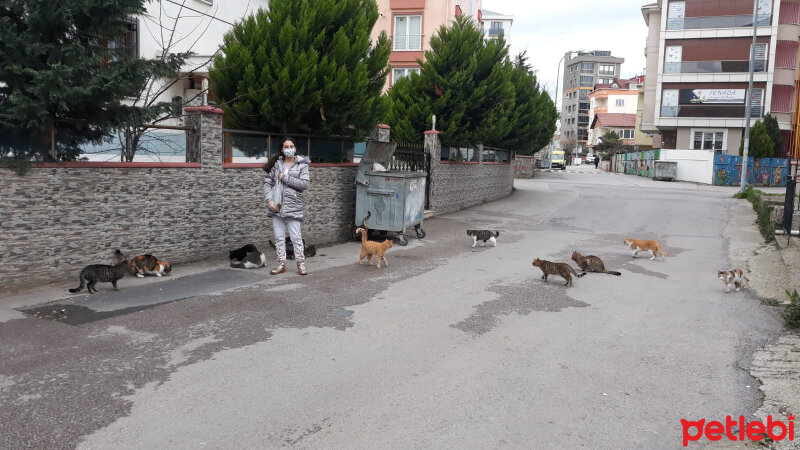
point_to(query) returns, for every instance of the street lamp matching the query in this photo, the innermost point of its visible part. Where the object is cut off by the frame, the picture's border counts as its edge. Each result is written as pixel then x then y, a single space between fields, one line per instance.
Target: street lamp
pixel 558 112
pixel 749 102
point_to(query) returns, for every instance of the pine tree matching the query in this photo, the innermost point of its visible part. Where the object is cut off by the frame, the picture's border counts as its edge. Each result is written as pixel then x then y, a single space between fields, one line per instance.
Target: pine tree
pixel 534 114
pixel 465 82
pixel 774 132
pixel 610 143
pixel 304 66
pixel 58 72
pixel 761 145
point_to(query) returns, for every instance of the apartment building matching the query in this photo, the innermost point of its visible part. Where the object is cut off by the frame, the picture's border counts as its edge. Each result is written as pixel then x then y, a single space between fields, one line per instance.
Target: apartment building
pixel 410 25
pixel 698 59
pixel 582 71
pixel 495 24
pixel 612 107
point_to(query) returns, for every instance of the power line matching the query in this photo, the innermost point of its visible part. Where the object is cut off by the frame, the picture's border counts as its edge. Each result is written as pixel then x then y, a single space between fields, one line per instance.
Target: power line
pixel 199 12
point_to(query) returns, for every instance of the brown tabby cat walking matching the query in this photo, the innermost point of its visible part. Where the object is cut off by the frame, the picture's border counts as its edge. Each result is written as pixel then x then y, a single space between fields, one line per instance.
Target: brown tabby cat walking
pixel 369 248
pixel 561 269
pixel 90 275
pixel 591 263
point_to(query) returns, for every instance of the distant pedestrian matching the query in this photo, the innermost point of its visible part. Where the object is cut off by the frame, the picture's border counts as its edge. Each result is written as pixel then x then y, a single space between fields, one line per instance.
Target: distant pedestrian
pixel 287 178
pixel 596 160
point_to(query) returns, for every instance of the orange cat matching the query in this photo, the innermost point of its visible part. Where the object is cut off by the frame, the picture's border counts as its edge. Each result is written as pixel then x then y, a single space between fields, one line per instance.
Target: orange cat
pixel 369 248
pixel 638 245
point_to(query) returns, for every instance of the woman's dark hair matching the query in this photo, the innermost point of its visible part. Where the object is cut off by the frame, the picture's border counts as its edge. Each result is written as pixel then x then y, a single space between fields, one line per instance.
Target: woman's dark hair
pixel 274 158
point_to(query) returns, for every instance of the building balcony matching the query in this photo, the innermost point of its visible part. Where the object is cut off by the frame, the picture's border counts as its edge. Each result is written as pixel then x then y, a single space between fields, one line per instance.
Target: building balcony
pixel 735 66
pixel 495 31
pixel 406 42
pixel 711 111
pixel 698 23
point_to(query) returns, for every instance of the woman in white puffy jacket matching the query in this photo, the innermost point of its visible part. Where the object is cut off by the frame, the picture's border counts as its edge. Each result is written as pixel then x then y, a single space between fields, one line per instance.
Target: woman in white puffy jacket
pixel 287 178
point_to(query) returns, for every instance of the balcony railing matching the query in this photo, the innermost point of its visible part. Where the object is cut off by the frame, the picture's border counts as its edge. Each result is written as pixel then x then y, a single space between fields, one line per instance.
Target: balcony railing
pixel 495 31
pixel 696 23
pixel 711 111
pixel 407 42
pixel 734 66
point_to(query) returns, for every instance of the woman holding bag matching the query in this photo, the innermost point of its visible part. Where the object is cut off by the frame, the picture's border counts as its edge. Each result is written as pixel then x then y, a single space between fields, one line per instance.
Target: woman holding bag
pixel 287 178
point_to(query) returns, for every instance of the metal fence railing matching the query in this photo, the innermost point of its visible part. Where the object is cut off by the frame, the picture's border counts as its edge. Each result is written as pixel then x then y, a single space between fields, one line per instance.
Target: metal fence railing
pixel 248 146
pixel 409 158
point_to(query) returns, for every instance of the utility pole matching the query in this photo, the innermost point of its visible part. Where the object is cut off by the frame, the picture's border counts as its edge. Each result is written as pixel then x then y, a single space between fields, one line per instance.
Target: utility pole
pixel 749 102
pixel 558 113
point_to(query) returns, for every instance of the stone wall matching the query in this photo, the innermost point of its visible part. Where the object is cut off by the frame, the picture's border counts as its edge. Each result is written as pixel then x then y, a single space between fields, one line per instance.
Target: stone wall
pixel 59 218
pixel 458 185
pixel 524 166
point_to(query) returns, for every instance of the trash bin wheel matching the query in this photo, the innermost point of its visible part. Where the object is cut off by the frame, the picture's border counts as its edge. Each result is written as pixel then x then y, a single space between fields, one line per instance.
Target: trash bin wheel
pixel 420 232
pixel 402 239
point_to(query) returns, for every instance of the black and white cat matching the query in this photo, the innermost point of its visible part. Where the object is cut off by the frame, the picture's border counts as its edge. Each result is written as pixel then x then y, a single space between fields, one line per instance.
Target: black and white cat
pixel 483 235
pixel 247 257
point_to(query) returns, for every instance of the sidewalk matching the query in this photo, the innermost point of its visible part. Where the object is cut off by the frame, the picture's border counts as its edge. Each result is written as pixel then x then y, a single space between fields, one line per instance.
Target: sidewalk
pixel 772 268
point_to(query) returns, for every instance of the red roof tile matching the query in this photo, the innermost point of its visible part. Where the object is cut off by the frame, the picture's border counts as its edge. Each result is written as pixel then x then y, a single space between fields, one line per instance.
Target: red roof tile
pixel 614 120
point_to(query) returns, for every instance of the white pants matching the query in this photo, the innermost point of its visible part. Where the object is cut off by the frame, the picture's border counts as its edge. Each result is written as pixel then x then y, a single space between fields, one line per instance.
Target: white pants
pixel 279 225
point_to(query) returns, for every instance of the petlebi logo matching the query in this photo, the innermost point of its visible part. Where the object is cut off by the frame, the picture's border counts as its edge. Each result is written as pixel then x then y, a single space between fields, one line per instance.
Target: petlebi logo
pixel 738 430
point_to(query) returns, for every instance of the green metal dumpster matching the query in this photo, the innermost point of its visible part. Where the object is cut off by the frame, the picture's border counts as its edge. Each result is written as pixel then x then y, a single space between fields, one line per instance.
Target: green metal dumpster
pixel 394 200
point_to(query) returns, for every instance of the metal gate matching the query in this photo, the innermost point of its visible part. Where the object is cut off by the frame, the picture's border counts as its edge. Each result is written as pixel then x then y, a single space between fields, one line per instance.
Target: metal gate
pixel 413 158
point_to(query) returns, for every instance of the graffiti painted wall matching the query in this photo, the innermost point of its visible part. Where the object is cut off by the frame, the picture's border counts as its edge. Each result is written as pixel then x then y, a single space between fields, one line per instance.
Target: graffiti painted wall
pixel 637 163
pixel 760 171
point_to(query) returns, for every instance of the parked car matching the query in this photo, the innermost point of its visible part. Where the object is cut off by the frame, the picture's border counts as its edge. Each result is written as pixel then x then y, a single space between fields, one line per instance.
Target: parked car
pixel 589 158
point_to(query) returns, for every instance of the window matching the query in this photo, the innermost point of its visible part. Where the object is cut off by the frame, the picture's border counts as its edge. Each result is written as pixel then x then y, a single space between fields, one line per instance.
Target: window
pixel 407 33
pixel 602 53
pixel 607 69
pixel 675 15
pixel 604 80
pixel 708 140
pixel 620 102
pixel 626 134
pixel 583 106
pixel 125 48
pixel 587 67
pixel 760 57
pixel 402 72
pixel 587 80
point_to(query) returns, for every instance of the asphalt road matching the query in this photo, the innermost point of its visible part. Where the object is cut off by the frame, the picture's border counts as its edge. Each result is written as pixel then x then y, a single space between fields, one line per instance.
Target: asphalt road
pixel 446 348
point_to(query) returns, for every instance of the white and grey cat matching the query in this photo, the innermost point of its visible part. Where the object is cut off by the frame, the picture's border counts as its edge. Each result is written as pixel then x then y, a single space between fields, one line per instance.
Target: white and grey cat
pixel 247 257
pixel 483 235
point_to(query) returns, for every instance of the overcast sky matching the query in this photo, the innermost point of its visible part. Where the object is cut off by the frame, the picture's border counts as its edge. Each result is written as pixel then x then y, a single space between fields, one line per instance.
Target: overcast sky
pixel 549 29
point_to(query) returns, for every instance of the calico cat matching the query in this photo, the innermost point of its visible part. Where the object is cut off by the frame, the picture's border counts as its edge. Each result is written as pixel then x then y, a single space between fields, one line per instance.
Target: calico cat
pixel 369 248
pixel 240 253
pixel 732 277
pixel 483 235
pixel 252 260
pixel 638 245
pixel 90 275
pixel 591 263
pixel 149 264
pixel 561 269
pixel 308 250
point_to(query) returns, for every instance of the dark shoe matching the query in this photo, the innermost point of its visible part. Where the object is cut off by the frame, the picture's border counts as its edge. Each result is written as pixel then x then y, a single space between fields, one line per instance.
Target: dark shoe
pixel 301 268
pixel 280 269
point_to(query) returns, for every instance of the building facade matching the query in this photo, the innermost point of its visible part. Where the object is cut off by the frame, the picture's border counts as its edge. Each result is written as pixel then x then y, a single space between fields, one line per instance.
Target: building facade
pixel 582 71
pixel 410 25
pixel 698 62
pixel 612 107
pixel 495 24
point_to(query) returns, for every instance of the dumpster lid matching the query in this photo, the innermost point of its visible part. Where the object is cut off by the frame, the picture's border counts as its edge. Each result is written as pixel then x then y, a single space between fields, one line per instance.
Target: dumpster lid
pixel 377 156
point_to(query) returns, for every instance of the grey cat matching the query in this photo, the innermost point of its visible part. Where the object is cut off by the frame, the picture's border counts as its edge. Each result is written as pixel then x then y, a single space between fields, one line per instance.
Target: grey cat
pixel 252 260
pixel 90 275
pixel 483 235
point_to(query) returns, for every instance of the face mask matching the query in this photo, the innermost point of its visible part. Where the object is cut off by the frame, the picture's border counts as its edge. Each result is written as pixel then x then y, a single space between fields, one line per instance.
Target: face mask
pixel 289 152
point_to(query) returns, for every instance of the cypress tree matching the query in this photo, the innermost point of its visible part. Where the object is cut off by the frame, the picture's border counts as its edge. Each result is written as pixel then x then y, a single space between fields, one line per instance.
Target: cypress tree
pixel 304 66
pixel 59 72
pixel 774 132
pixel 465 82
pixel 761 145
pixel 534 114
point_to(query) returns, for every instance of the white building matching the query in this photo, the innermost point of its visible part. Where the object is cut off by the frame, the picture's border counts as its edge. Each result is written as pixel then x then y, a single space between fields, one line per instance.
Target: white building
pixel 494 24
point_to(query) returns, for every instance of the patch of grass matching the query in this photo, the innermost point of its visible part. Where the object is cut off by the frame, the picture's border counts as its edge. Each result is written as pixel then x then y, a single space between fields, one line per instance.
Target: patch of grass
pixel 763 212
pixel 792 314
pixel 18 165
pixel 770 302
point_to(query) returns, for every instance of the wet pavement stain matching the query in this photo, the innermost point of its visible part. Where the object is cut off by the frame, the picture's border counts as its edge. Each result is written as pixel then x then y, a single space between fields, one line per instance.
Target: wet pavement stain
pixel 520 299
pixel 79 315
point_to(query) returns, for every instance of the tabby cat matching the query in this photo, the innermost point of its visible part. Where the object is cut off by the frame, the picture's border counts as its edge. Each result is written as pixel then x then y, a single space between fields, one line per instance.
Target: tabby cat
pixel 638 245
pixel 308 250
pixel 149 264
pixel 732 277
pixel 90 275
pixel 591 263
pixel 252 260
pixel 561 269
pixel 369 248
pixel 483 235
